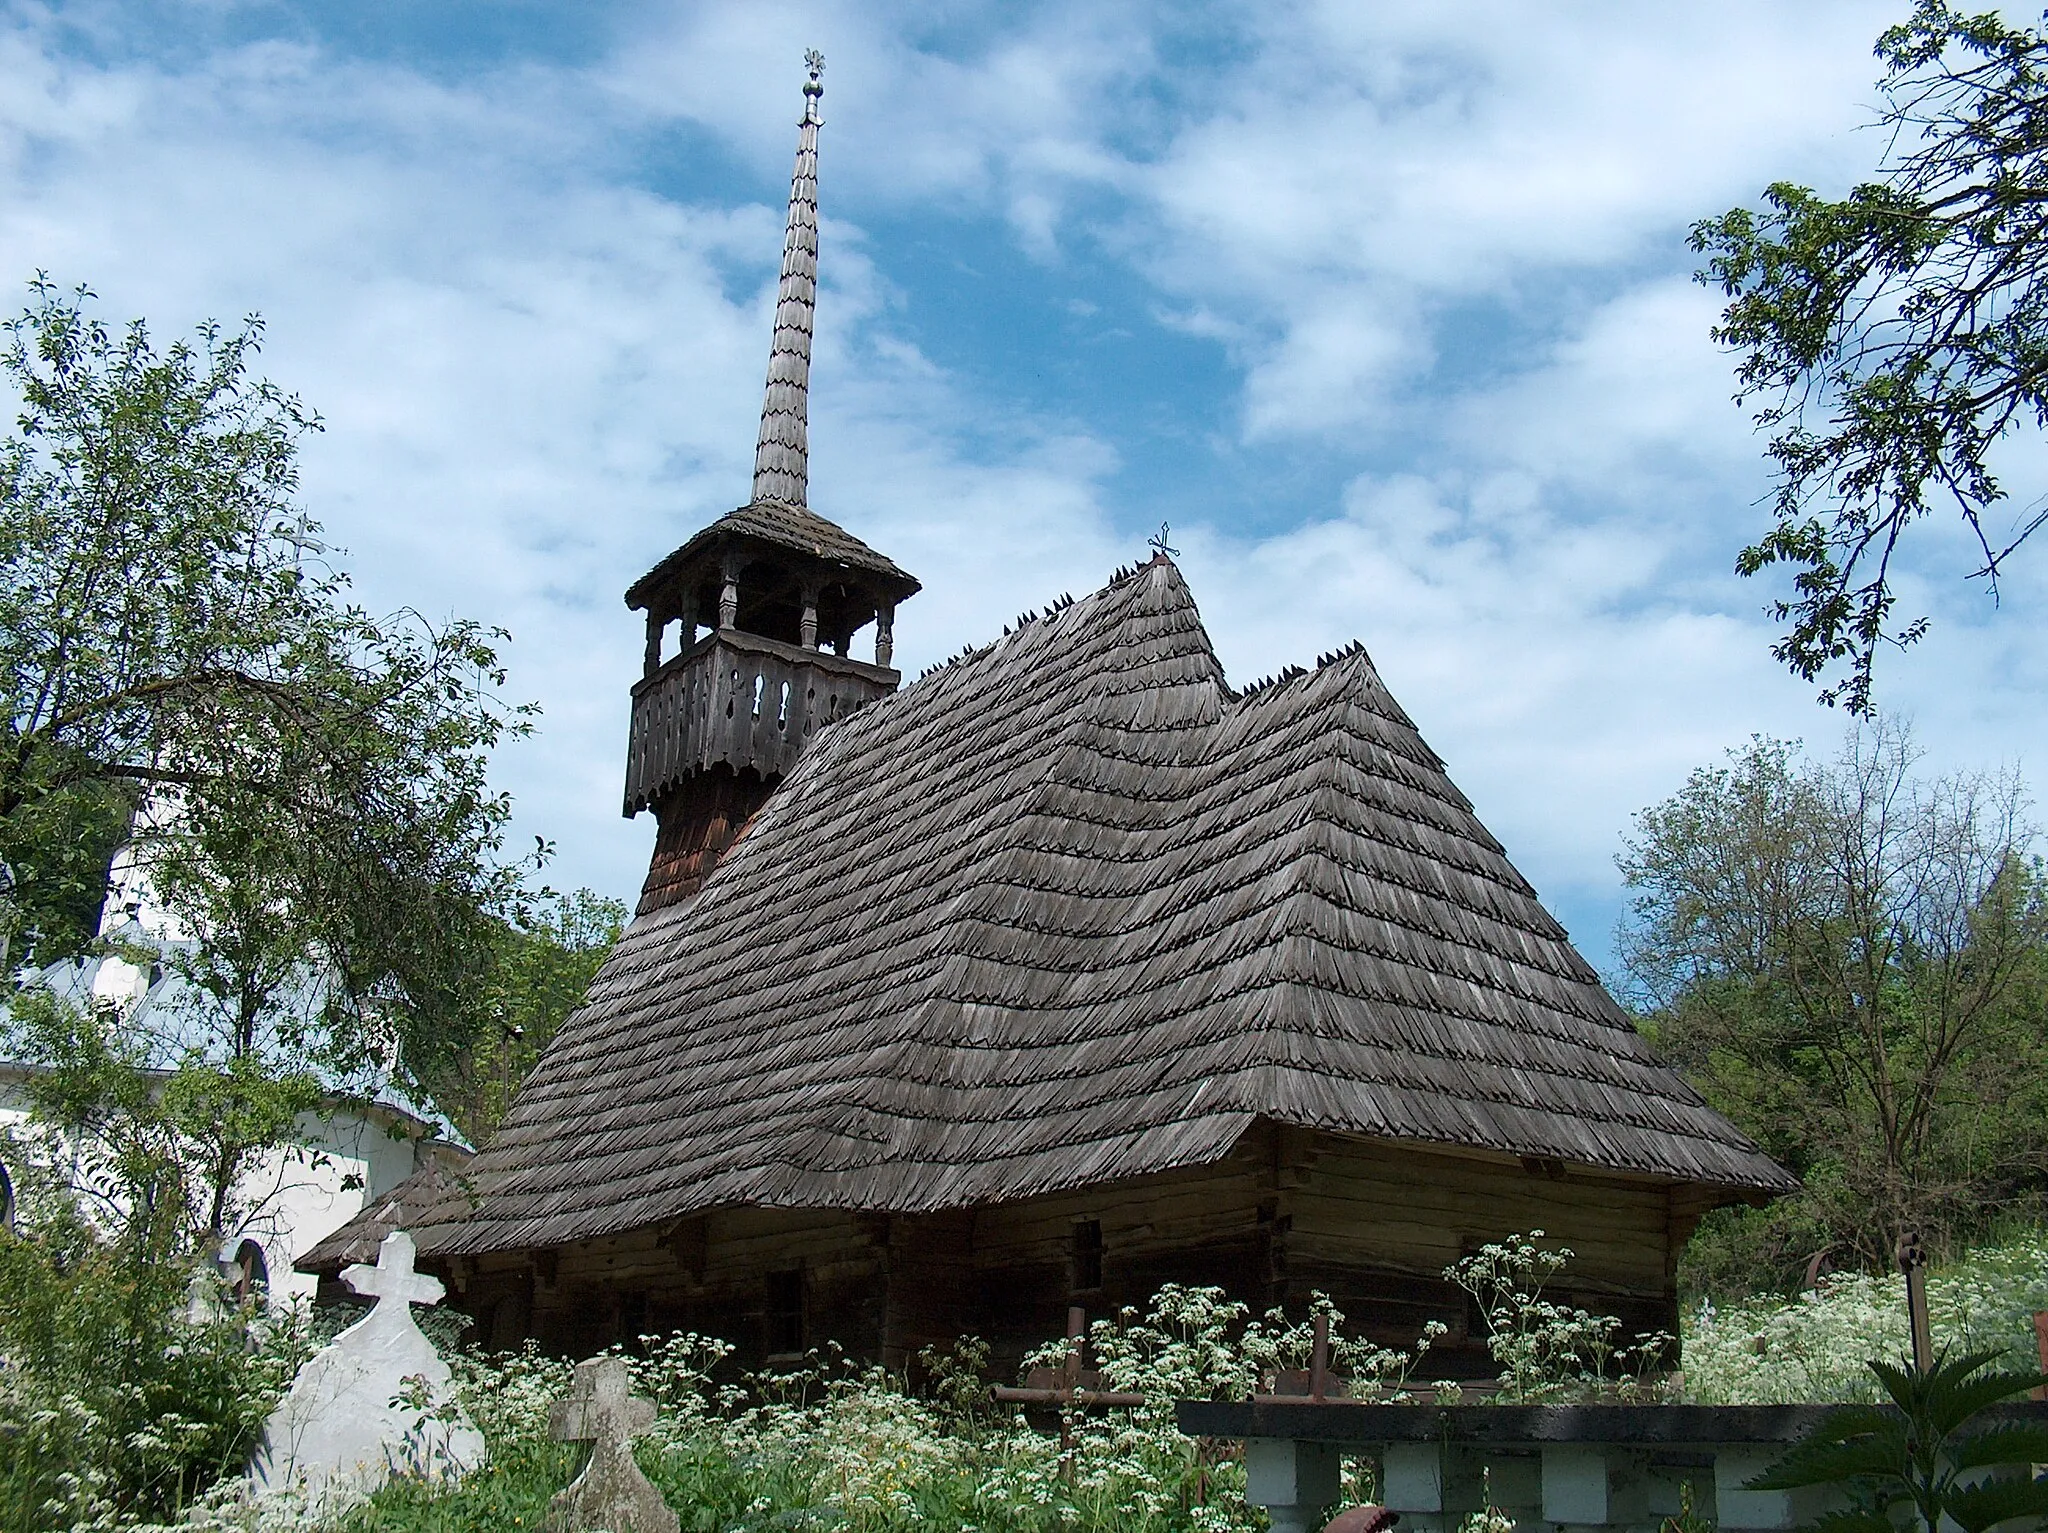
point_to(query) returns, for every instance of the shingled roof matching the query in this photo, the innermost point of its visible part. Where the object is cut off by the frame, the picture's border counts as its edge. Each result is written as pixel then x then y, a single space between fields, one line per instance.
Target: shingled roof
pixel 404 1207
pixel 1070 910
pixel 784 526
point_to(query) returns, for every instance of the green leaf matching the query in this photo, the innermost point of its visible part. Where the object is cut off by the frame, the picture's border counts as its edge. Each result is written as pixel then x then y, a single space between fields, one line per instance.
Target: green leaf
pixel 1977 1507
pixel 1850 1522
pixel 2019 1444
pixel 1952 1391
pixel 1836 1453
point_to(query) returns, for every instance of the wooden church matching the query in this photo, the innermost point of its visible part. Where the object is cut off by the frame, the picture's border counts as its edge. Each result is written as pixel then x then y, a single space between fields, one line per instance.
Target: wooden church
pixel 1066 971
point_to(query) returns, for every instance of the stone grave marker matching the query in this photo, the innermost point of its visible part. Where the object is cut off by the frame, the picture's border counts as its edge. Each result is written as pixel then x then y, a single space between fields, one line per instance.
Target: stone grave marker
pixel 346 1424
pixel 611 1493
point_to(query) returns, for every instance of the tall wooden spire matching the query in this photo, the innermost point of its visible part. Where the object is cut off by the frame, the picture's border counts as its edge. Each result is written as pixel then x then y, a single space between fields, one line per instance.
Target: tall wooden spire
pixel 780 456
pixel 719 718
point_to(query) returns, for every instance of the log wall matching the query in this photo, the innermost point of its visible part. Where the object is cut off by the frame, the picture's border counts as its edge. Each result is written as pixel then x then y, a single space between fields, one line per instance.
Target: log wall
pixel 718 1273
pixel 1374 1225
pixel 1287 1212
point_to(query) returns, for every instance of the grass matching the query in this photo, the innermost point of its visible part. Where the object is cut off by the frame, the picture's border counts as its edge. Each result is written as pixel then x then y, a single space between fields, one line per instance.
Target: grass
pixel 847 1448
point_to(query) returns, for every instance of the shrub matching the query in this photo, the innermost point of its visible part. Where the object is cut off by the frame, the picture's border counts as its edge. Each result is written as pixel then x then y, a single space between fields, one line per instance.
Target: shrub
pixel 114 1406
pixel 1771 1351
pixel 1550 1352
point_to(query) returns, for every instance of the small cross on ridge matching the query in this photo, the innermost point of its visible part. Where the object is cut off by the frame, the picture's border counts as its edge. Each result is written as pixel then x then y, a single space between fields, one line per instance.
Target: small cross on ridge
pixel 1158 544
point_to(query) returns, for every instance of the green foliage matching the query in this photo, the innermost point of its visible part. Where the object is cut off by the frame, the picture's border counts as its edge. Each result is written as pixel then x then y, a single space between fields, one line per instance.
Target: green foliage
pixel 115 1403
pixel 115 1406
pixel 172 624
pixel 1851 962
pixel 836 1445
pixel 1896 334
pixel 1929 1457
pixel 544 955
pixel 1773 1351
pixel 57 856
pixel 304 787
pixel 1549 1352
pixel 151 1156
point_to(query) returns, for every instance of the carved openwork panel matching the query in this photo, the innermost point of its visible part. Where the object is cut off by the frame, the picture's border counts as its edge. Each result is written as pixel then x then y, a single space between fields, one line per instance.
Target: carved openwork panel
pixel 741 701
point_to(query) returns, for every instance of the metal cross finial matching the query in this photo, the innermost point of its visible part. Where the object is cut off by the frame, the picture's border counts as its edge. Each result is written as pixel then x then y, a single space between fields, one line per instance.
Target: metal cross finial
pixel 814 87
pixel 1158 544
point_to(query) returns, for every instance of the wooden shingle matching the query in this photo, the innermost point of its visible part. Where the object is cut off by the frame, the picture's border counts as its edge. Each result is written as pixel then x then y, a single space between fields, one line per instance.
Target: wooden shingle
pixel 1069 910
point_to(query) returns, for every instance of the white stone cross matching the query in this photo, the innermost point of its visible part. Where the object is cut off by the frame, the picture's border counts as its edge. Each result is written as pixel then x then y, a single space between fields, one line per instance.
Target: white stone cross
pixel 611 1493
pixel 393 1277
pixel 345 1420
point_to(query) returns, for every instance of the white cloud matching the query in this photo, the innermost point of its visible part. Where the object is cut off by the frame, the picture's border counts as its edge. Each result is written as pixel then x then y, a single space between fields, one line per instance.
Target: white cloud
pixel 1335 366
pixel 1619 405
pixel 539 375
pixel 1388 158
pixel 1013 124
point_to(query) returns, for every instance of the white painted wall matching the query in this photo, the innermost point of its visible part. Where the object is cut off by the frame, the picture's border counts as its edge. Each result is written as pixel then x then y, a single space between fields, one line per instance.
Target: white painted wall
pixel 298 1195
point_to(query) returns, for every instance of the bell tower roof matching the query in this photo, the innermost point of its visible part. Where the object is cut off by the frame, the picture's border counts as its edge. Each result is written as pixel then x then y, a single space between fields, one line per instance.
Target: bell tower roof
pixel 765 529
pixel 782 451
pixel 776 535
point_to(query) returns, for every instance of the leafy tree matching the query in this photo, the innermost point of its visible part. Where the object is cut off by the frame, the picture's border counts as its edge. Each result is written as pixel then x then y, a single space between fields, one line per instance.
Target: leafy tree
pixel 304 788
pixel 547 953
pixel 1895 335
pixel 138 1150
pixel 1849 960
pixel 171 623
pixel 252 1026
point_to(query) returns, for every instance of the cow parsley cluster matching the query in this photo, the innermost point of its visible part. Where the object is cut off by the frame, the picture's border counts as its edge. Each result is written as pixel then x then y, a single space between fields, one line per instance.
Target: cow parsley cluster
pixel 1769 1351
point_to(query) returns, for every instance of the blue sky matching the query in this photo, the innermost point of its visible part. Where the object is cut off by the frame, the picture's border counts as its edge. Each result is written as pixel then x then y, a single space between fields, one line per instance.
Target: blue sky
pixel 1384 307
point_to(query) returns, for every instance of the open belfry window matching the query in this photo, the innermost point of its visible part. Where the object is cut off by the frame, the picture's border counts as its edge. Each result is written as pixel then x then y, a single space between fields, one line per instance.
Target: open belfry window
pixel 1087 1255
pixel 785 1312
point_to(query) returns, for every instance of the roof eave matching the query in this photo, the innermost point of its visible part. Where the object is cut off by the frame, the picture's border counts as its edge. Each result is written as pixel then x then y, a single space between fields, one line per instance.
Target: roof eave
pixel 883 575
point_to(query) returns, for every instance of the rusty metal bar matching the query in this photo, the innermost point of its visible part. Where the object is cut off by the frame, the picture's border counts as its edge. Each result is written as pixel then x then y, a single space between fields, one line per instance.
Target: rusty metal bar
pixel 1913 1264
pixel 1077 1332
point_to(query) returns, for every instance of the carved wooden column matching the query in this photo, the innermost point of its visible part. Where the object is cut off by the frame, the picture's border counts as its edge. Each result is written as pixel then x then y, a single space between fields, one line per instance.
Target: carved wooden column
pixel 650 660
pixel 729 595
pixel 807 635
pixel 885 634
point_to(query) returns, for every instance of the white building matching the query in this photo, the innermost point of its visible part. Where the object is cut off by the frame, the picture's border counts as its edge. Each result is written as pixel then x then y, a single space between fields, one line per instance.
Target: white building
pixel 360 1145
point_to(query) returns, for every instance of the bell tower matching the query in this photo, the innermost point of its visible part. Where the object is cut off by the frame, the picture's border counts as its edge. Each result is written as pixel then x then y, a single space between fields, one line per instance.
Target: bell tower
pixel 763 605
